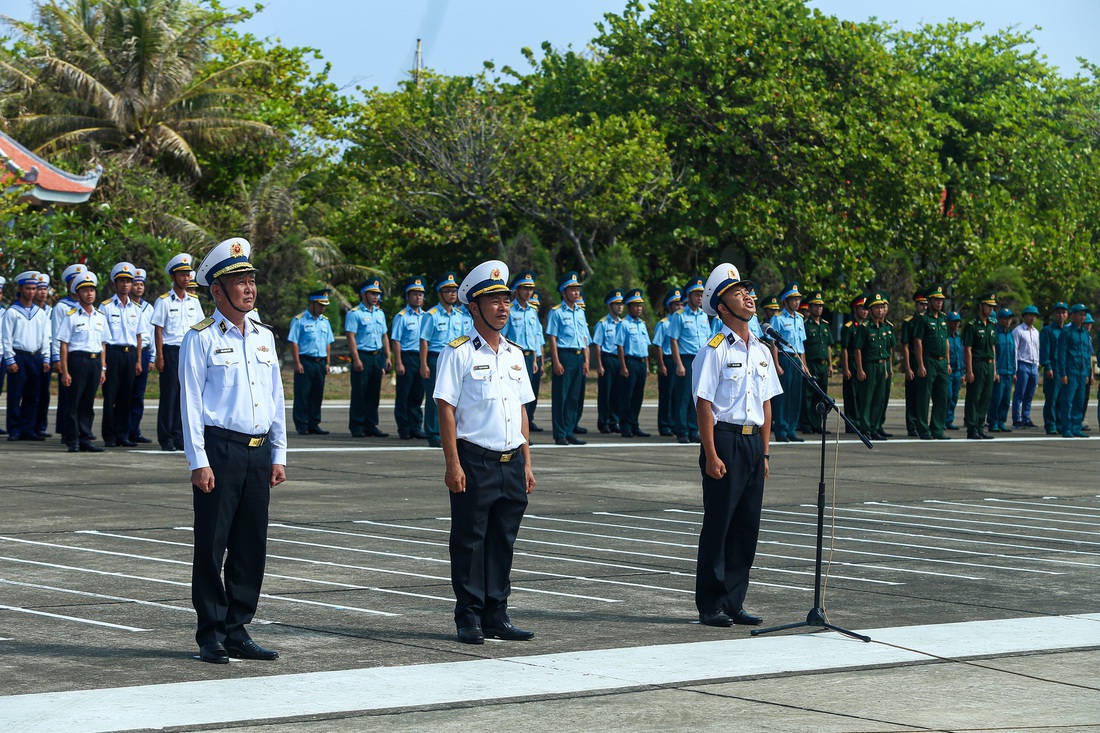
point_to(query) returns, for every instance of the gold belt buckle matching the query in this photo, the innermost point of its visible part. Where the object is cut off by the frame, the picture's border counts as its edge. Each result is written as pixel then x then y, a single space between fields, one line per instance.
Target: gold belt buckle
pixel 255 442
pixel 747 429
pixel 506 457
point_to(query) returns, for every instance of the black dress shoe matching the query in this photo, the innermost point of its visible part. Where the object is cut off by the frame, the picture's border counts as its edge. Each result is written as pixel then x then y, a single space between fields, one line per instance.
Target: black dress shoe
pixel 579 429
pixel 127 443
pixel 13 436
pixel 507 632
pixel 603 429
pixel 45 435
pixel 534 428
pixel 926 437
pixel 303 432
pixel 141 439
pixel 884 434
pixel 400 436
pixel 950 427
pixel 376 433
pixel 214 653
pixel 627 434
pixel 358 434
pixel 694 438
pixel 435 443
pixel 574 440
pixel 941 436
pixel 796 439
pixel 612 428
pixel 741 617
pixel 561 441
pixel 665 433
pixel 683 439
pixel 167 446
pixel 249 649
pixel 715 618
pixel 781 439
pixel 912 434
pixel 36 438
pixel 418 435
pixel 471 635
pixel 985 436
pixel 73 449
pixel 641 434
pixel 318 431
pixel 110 444
pixel 90 448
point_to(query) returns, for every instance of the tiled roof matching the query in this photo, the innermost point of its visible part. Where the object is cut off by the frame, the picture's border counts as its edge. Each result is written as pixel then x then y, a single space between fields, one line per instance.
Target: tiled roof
pixel 50 183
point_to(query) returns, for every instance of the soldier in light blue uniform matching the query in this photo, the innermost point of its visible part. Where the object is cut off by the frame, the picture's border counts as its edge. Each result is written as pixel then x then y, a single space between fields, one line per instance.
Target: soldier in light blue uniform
pixel 310 340
pixel 791 327
pixel 632 342
pixel 688 331
pixel 754 322
pixel 1004 350
pixel 440 326
pixel 567 329
pixel 662 354
pixel 525 329
pixel 365 328
pixel 405 342
pixel 1052 386
pixel 606 357
pixel 1073 367
pixel 955 360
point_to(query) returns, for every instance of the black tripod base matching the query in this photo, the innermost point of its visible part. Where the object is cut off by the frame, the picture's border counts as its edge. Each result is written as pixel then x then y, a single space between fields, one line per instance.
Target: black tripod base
pixel 815 619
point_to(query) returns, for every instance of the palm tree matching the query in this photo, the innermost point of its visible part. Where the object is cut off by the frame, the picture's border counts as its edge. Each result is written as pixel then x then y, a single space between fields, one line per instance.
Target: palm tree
pixel 129 77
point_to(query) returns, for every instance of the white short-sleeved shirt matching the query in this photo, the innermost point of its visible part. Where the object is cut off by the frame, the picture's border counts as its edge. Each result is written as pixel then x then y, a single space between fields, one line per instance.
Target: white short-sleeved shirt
pixel 736 377
pixel 488 390
pixel 82 331
pixel 175 315
pixel 230 380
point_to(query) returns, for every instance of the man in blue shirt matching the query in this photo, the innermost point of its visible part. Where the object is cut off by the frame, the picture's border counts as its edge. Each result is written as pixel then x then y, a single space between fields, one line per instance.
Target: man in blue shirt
pixel 688 332
pixel 405 338
pixel 1073 367
pixel 632 343
pixel 955 360
pixel 662 354
pixel 567 331
pixel 1052 386
pixel 440 326
pixel 1004 350
pixel 606 357
pixel 790 326
pixel 365 328
pixel 525 330
pixel 310 340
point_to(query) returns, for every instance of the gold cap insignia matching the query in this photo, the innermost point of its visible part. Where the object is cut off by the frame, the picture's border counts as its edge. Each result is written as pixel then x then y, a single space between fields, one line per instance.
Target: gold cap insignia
pixel 495 274
pixel 236 249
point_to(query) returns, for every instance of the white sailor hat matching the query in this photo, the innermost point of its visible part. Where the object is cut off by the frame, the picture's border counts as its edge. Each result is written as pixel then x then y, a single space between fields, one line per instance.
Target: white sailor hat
pixel 43 280
pixel 488 277
pixel 72 271
pixel 179 263
pixel 3 281
pixel 30 277
pixel 228 257
pixel 721 279
pixel 84 279
pixel 139 275
pixel 124 270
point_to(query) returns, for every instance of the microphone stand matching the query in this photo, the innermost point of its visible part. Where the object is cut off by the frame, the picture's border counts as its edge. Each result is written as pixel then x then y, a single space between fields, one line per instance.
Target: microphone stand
pixel 816 617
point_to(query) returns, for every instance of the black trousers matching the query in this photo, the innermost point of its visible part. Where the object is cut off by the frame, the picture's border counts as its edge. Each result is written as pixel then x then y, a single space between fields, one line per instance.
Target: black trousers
pixel 230 522
pixel 366 388
pixel 42 415
pixel 309 390
pixel 631 389
pixel 117 391
pixel 529 358
pixel 684 422
pixel 731 522
pixel 137 396
pixel 607 408
pixel 664 395
pixel 485 520
pixel 408 403
pixel 85 369
pixel 23 390
pixel 169 418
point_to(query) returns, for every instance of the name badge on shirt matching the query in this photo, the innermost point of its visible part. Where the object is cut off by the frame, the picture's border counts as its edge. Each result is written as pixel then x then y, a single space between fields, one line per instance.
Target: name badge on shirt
pixel 479 367
pixel 733 365
pixel 224 351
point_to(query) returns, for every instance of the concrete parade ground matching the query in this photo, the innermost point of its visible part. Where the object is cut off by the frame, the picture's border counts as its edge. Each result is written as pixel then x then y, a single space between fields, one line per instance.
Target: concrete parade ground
pixel 972 565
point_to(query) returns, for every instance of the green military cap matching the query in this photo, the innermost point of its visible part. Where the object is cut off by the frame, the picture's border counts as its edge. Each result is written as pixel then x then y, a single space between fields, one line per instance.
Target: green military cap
pixel 1078 308
pixel 936 291
pixel 772 302
pixel 1031 311
pixel 1060 305
pixel 921 296
pixel 816 298
pixel 879 298
pixel 859 301
pixel 1089 318
pixel 954 316
pixel 1005 313
pixel 988 299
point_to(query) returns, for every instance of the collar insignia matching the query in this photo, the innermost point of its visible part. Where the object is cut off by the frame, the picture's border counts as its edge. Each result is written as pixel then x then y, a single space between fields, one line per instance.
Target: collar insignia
pixel 222 327
pixel 477 343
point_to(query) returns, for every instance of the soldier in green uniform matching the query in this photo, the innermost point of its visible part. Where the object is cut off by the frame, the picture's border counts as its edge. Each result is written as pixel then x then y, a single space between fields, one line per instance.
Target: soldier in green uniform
pixel 819 360
pixel 1048 340
pixel 874 344
pixel 848 357
pixel 978 339
pixel 928 340
pixel 910 364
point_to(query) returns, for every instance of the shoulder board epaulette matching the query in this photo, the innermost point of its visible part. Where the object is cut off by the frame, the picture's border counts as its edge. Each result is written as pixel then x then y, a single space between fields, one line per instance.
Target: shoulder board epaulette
pixel 204 323
pixel 824 321
pixel 848 324
pixel 663 320
pixel 889 323
pixel 556 307
pixel 434 310
pixel 458 342
pixel 322 316
pixel 714 342
pixel 192 295
pixel 404 311
pixel 106 301
pixel 908 318
pixel 165 295
pixel 71 311
pixel 299 315
pixel 513 343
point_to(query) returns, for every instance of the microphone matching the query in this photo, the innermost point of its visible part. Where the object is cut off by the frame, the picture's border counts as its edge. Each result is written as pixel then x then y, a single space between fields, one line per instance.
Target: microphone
pixel 774 335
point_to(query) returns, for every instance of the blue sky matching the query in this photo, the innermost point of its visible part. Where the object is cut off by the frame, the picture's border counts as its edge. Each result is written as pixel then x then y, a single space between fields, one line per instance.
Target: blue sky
pixel 372 42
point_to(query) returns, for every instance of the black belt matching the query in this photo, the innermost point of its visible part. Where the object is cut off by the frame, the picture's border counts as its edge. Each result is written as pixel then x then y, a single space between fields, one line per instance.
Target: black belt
pixel 252 441
pixel 21 352
pixel 578 352
pixel 728 427
pixel 370 353
pixel 493 455
pixel 313 358
pixel 121 347
pixel 88 354
pixel 171 346
pixel 637 358
pixel 528 352
pixel 876 361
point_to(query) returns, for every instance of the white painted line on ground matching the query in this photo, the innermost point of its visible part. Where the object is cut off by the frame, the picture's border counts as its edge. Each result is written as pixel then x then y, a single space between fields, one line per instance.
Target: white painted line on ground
pixel 955 528
pixel 892 504
pixel 88 594
pixel 75 619
pixel 187 704
pixel 1044 503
